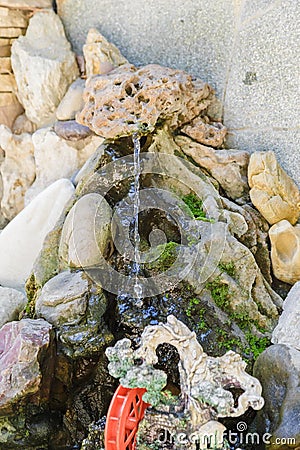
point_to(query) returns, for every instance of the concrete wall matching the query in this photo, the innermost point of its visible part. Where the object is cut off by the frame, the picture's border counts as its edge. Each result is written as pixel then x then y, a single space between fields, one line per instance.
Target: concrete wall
pixel 248 50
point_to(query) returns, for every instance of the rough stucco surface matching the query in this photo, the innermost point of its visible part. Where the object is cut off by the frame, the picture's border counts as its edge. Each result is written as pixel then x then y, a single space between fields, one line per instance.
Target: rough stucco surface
pixel 248 50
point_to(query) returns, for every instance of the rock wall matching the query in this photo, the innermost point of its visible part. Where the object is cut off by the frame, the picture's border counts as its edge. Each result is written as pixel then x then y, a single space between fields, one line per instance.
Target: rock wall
pixel 246 49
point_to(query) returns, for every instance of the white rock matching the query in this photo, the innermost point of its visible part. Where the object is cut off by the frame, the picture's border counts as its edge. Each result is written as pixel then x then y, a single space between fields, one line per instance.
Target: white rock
pixel 86 234
pixel 44 67
pixel 22 239
pixel 288 330
pixel 12 302
pixel 56 158
pixel 72 102
pixel 17 170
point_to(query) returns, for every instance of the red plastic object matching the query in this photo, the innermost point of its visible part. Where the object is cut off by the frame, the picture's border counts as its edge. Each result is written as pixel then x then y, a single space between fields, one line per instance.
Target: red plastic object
pixel 125 412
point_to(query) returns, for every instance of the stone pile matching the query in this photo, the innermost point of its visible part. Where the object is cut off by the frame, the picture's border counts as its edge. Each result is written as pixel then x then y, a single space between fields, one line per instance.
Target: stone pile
pixel 62 188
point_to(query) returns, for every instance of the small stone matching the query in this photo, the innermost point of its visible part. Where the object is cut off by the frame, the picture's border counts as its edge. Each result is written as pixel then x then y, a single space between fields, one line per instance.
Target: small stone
pixel 23 347
pixel 228 167
pixel 22 239
pixel 23 125
pixel 100 55
pixel 273 192
pixel 288 331
pixel 17 170
pixel 72 102
pixel 44 67
pixel 12 302
pixel 86 235
pixel 70 154
pixel 128 100
pixel 285 251
pixel 63 299
pixel 211 134
pixel 70 130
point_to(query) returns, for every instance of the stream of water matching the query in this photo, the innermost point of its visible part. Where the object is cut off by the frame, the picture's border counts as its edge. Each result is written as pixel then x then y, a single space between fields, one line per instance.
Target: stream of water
pixel 136 206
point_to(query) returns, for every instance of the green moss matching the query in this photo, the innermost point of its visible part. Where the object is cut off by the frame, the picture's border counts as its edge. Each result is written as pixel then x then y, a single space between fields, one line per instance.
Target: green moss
pixel 195 206
pixel 166 259
pixel 32 289
pixel 219 292
pixel 256 344
pixel 229 268
pixel 196 313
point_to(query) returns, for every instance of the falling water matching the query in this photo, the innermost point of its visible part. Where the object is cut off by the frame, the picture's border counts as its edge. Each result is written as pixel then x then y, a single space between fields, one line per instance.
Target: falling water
pixel 137 171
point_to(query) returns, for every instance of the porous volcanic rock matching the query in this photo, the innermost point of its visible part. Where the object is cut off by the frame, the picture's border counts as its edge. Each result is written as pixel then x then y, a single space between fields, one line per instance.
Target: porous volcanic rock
pixel 128 99
pixel 212 134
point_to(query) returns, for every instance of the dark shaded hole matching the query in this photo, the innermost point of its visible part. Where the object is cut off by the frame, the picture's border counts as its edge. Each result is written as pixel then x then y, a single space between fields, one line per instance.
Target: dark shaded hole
pixel 128 90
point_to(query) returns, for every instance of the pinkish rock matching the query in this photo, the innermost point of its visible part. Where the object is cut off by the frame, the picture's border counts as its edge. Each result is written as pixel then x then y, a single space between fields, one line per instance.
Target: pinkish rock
pixel 24 345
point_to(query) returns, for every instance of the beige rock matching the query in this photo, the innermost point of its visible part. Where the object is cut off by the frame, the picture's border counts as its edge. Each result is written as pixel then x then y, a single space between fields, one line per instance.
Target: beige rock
pixel 12 32
pixel 288 331
pixel 44 67
pixel 228 167
pixel 5 65
pixel 127 100
pixel 7 83
pixel 64 159
pixel 10 108
pixel 17 170
pixel 285 251
pixel 100 55
pixel 72 102
pixel 26 4
pixel 212 134
pixel 11 18
pixel 5 51
pixel 23 125
pixel 273 192
pixel 22 239
pixel 86 235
